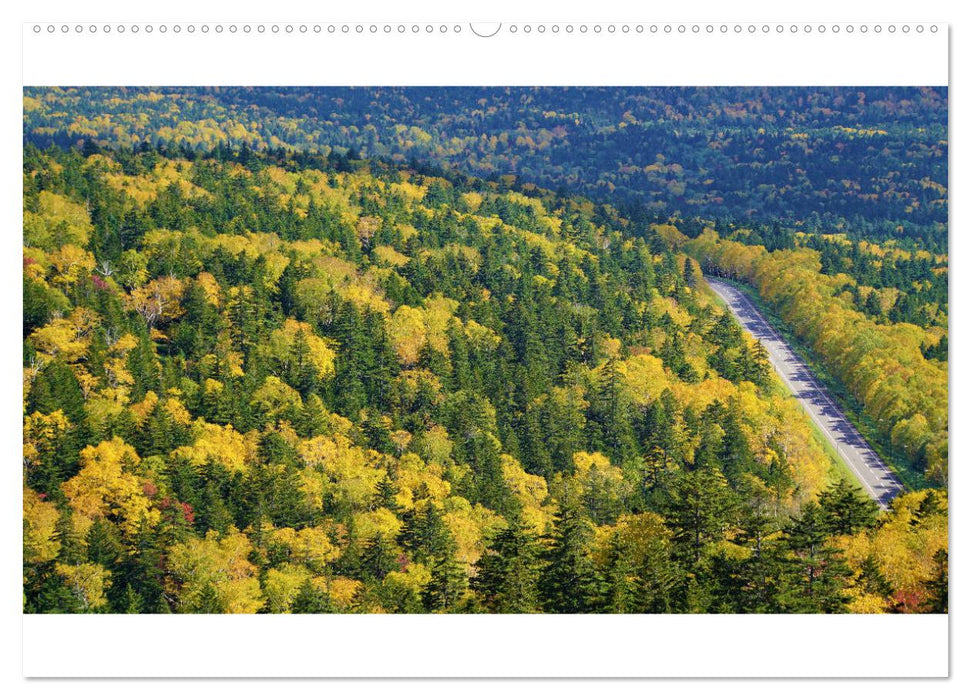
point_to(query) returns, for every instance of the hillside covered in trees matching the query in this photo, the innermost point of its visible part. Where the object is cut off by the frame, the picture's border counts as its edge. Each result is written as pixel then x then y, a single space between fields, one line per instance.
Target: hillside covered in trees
pixel 867 162
pixel 271 380
pixel 886 349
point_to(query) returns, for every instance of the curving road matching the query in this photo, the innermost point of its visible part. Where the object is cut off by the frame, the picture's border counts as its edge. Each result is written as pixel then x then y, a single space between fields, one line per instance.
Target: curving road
pixel 875 477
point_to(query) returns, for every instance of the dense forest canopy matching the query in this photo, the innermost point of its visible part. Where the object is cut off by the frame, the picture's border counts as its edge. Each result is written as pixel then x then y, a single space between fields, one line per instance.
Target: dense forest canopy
pixel 278 376
pixel 869 162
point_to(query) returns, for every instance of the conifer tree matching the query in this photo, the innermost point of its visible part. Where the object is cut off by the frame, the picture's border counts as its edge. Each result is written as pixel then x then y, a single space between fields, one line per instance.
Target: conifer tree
pixel 131 601
pixel 208 603
pixel 937 602
pixel 757 580
pixel 735 455
pixel 610 412
pixel 817 574
pixel 380 557
pixel 620 587
pixel 508 572
pixel 312 600
pixel 755 364
pixel 425 534
pixel 700 508
pixel 103 544
pixel 569 583
pixel 449 583
pixel 846 510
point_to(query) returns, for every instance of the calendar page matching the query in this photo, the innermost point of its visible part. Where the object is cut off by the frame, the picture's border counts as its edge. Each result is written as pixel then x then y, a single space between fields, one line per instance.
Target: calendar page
pixel 456 348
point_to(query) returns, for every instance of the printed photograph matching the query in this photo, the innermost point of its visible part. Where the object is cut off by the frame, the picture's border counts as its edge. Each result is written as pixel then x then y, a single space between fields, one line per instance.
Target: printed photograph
pixel 485 350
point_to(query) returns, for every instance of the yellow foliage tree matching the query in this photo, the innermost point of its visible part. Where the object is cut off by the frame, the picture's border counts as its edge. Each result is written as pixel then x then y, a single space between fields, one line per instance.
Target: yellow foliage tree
pixel 41 434
pixel 471 526
pixel 57 221
pixel 282 586
pixel 105 487
pixel 338 468
pixel 275 397
pixel 218 444
pixel 87 582
pixel 67 338
pixel 296 343
pixel 418 481
pixel 372 523
pixel 408 334
pixel 41 542
pixel 70 263
pixel 530 491
pixel 159 301
pixel 309 546
pixel 600 484
pixel 645 378
pixel 217 567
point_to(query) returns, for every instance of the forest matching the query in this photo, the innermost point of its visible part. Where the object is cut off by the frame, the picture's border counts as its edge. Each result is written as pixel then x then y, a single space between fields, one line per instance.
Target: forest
pixel 262 374
pixel 868 162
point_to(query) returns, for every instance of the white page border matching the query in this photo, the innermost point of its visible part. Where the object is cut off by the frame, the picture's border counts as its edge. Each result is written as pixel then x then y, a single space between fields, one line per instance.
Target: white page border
pixel 442 53
pixel 509 646
pixel 780 645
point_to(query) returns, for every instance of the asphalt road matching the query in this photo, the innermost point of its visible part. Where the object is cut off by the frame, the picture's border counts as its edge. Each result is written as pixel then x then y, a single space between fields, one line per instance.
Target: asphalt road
pixel 875 477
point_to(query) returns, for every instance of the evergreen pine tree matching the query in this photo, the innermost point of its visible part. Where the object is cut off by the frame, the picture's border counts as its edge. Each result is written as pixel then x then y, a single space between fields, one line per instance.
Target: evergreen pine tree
pixel 816 570
pixel 757 579
pixel 846 510
pixel 311 600
pixel 937 602
pixel 569 583
pixel 131 601
pixel 448 585
pixel 508 572
pixel 735 455
pixel 380 557
pixel 700 508
pixel 209 603
pixel 103 544
pixel 621 588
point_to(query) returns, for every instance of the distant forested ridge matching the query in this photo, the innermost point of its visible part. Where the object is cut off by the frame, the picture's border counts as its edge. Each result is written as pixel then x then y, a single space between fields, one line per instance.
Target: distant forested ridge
pixel 269 380
pixel 867 162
